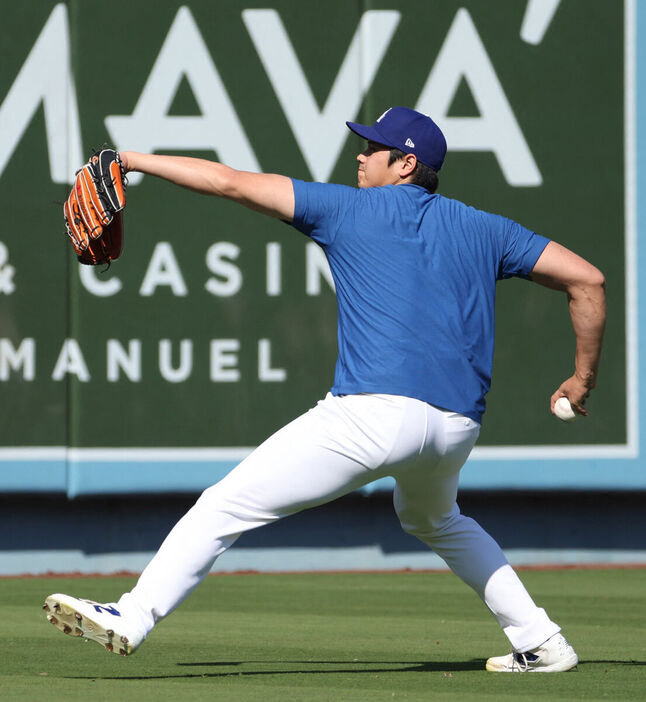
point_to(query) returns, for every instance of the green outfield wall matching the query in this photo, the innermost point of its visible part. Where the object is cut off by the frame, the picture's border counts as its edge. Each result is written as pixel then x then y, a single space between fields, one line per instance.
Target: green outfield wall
pixel 217 325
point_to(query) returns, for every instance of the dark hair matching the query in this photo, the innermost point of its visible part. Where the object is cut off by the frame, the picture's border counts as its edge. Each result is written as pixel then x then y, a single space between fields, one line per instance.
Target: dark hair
pixel 422 175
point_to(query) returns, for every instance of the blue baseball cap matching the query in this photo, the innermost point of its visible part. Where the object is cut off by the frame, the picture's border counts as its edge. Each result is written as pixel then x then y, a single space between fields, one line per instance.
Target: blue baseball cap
pixel 409 131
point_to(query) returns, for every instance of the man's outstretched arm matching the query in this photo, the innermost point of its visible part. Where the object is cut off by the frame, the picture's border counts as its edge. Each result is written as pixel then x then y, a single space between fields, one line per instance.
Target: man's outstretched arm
pixel 268 193
pixel 561 269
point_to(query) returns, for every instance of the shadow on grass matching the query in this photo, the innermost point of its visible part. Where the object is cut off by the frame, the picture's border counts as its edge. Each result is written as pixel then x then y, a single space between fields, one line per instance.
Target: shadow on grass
pixel 359 668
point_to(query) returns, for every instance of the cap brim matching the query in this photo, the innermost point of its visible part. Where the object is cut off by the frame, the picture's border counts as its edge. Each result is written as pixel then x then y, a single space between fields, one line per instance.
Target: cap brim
pixel 366 132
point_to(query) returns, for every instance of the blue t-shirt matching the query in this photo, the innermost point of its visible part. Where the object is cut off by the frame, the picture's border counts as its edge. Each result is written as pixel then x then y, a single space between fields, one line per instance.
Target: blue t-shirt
pixel 415 276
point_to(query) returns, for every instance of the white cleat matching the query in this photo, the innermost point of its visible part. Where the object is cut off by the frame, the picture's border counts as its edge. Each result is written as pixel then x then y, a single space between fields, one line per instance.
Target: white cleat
pixel 98 622
pixel 554 656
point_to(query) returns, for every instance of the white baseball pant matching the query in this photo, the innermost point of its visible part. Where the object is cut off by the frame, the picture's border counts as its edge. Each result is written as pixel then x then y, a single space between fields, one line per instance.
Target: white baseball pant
pixel 336 447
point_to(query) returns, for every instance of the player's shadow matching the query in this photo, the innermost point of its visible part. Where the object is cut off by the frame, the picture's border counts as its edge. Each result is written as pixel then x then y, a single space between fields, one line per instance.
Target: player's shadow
pixel 302 668
pixel 406 666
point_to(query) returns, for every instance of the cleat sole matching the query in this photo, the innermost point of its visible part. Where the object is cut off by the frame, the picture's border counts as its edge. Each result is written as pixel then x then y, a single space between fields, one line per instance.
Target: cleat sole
pixel 68 620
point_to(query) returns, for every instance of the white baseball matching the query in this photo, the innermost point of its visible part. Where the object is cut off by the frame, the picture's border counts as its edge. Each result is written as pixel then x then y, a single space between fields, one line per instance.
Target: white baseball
pixel 563 410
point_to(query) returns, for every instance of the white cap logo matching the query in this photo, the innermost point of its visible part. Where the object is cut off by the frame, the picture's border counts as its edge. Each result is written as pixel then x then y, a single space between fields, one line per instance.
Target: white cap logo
pixel 409 142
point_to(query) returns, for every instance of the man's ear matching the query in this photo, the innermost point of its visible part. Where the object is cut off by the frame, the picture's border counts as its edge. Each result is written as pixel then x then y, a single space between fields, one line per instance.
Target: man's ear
pixel 407 165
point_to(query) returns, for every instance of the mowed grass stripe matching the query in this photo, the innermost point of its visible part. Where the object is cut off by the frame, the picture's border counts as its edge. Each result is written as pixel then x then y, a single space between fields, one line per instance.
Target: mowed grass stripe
pixel 382 636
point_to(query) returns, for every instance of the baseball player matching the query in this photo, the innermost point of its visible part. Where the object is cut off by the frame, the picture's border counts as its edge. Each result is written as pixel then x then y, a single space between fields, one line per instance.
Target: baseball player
pixel 415 277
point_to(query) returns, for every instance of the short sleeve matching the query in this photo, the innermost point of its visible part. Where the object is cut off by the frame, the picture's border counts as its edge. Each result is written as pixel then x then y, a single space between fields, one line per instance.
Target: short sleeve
pixel 319 209
pixel 522 249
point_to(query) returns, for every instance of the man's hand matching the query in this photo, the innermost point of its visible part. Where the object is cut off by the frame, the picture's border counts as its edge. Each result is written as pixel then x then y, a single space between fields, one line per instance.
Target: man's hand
pixel 577 392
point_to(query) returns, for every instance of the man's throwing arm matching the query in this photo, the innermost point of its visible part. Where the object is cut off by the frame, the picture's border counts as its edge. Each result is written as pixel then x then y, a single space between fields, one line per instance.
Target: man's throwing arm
pixel 561 269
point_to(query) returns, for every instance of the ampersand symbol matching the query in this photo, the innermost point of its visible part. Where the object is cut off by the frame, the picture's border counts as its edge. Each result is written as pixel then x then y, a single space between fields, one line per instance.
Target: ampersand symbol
pixel 6 271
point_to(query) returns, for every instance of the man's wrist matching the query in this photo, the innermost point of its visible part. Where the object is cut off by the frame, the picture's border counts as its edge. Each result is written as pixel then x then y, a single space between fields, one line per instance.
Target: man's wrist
pixel 126 160
pixel 587 378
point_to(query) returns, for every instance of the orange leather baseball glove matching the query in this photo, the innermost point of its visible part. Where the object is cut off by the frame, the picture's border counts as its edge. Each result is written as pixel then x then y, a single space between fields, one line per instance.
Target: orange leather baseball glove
pixel 93 211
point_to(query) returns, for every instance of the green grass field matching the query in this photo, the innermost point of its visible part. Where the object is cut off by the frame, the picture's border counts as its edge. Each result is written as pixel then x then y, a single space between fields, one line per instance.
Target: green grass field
pixel 412 636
